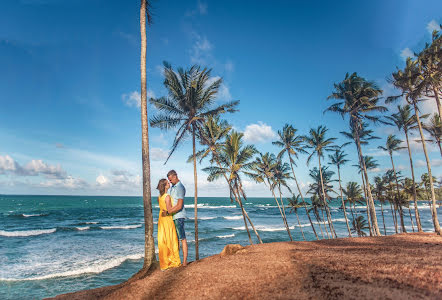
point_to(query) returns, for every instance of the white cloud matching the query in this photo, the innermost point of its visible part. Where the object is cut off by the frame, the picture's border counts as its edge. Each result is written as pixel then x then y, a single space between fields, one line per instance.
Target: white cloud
pixel 433 163
pixel 158 154
pixel 66 183
pixel 374 170
pixel 7 163
pixel 201 9
pixel 134 99
pixel 405 53
pixel 432 25
pixel 160 139
pixel 259 133
pixel 200 53
pixel 102 180
pixel 229 66
pixel 33 168
pixel 223 91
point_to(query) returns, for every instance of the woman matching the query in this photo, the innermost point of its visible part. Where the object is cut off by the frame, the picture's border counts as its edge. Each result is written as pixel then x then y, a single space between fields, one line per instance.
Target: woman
pixel 168 248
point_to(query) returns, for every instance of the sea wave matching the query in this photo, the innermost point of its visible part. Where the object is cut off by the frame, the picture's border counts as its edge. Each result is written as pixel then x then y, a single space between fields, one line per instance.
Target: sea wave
pixel 233 218
pixel 83 228
pixel 21 233
pixel 338 220
pixel 94 268
pixel 203 218
pixel 263 228
pixel 121 227
pixel 225 236
pixel 32 215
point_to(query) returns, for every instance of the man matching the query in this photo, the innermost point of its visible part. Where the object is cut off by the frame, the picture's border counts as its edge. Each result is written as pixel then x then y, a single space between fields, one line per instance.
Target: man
pixel 177 193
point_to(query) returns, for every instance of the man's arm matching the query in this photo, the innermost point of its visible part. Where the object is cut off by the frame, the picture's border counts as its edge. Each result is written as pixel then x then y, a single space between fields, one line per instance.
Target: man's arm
pixel 177 207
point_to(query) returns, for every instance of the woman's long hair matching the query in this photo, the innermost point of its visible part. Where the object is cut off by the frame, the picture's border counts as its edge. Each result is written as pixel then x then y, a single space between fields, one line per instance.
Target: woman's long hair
pixel 162 186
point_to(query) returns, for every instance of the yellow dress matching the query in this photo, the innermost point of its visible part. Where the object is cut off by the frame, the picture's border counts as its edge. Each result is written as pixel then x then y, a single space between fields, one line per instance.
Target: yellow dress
pixel 168 246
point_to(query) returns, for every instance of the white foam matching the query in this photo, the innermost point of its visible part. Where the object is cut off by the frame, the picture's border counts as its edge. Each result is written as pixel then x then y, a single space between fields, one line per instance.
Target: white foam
pixel 203 218
pixel 90 222
pixel 83 228
pixel 34 215
pixel 26 232
pixel 94 268
pixel 338 220
pixel 233 218
pixel 121 227
pixel 263 228
pixel 225 236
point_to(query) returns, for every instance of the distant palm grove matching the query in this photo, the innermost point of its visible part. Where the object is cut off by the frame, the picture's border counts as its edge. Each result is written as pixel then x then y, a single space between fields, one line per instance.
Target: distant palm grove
pixel 190 110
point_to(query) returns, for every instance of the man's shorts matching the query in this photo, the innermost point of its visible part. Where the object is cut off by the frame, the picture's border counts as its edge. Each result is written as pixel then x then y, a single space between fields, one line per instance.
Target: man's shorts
pixel 179 225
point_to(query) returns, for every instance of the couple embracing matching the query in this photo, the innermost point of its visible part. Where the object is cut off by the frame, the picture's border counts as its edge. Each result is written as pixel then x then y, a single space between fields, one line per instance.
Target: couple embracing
pixel 171 222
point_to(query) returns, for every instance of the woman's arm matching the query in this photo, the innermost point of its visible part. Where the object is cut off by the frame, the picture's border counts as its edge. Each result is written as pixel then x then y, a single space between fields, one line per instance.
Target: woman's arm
pixel 168 204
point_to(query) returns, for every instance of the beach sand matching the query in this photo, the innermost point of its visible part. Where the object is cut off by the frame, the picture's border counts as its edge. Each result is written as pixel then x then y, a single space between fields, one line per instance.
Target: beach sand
pixel 402 266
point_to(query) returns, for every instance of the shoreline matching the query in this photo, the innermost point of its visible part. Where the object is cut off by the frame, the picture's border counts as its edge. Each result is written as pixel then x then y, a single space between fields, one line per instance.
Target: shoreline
pixel 402 266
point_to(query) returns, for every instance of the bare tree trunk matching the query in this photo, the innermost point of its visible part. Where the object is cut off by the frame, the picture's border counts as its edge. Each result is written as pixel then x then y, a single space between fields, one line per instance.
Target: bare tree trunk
pixel 367 210
pixel 383 219
pixel 323 223
pixel 436 95
pixel 416 211
pixel 399 200
pixel 300 227
pixel 327 211
pixel 243 215
pixel 393 212
pixel 283 207
pixel 343 203
pixel 248 218
pixel 149 242
pixel 280 211
pixel 370 197
pixel 411 217
pixel 433 196
pixel 302 197
pixel 195 178
pixel 319 224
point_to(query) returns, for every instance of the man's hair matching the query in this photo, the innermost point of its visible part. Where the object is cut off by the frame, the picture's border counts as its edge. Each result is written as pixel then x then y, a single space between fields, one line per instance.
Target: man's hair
pixel 172 172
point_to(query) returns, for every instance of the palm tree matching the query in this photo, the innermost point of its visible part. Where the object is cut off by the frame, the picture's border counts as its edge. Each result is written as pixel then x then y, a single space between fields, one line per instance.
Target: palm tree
pixel 407 81
pixel 291 145
pixel 321 188
pixel 425 181
pixel 318 142
pixel 264 170
pixel 338 159
pixel 233 159
pixel 191 97
pixel 359 224
pixel 314 207
pixel 294 204
pixel 353 195
pixel 391 196
pixel 379 190
pixel 405 121
pixel 358 98
pixel 212 135
pixel 391 146
pixel 149 242
pixel 434 128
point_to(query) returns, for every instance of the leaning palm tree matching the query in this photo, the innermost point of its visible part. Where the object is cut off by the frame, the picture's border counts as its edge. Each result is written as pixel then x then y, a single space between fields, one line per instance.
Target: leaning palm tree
pixel 434 128
pixel 318 143
pixel 292 145
pixel 353 195
pixel 233 159
pixel 408 81
pixel 294 204
pixel 316 205
pixel 359 224
pixel 405 121
pixel 191 97
pixel 264 169
pixel 149 242
pixel 391 196
pixel 338 159
pixel 212 135
pixel 392 145
pixel 379 190
pixel 358 98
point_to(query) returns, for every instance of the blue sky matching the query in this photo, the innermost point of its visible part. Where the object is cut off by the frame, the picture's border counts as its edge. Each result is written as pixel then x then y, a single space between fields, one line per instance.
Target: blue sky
pixel 69 82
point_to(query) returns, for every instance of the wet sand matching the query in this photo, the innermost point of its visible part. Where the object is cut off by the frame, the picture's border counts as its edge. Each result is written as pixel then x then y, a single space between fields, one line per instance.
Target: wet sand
pixel 402 266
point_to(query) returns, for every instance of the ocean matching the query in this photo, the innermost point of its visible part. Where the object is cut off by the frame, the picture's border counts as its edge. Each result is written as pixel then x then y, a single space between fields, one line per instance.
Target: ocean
pixel 51 245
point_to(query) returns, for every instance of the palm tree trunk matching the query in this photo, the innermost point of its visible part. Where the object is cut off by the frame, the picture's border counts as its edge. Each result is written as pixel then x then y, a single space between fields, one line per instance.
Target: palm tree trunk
pixel 300 227
pixel 383 220
pixel 247 216
pixel 439 108
pixel 243 216
pixel 302 197
pixel 149 242
pixel 195 178
pixel 433 196
pixel 343 203
pixel 370 228
pixel 323 223
pixel 280 211
pixel 411 217
pixel 370 197
pixel 399 200
pixel 283 207
pixel 327 211
pixel 393 212
pixel 319 224
pixel 416 211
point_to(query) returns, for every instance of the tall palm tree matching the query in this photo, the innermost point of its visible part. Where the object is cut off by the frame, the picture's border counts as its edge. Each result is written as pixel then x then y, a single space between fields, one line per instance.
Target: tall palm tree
pixel 294 204
pixel 264 169
pixel 191 97
pixel 149 242
pixel 292 144
pixel 405 121
pixel 407 81
pixel 434 128
pixel 338 159
pixel 318 143
pixel 358 98
pixel 321 188
pixel 234 158
pixel 213 135
pixel 392 145
pixel 379 190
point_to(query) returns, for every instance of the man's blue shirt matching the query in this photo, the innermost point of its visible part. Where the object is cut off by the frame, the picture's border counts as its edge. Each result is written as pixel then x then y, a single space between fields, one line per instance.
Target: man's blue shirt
pixel 178 191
